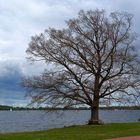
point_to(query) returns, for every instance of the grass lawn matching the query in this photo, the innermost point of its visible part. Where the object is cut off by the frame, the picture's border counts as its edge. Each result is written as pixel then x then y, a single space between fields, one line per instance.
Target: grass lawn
pixel 79 132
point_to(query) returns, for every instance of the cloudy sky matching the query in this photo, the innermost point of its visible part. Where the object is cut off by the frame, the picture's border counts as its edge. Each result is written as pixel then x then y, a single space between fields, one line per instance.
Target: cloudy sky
pixel 21 19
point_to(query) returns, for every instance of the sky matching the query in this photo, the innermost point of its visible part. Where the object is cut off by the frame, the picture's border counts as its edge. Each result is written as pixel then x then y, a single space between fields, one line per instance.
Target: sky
pixel 21 19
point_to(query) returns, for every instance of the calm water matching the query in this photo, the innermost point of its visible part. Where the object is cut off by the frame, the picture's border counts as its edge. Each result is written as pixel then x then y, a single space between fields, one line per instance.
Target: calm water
pixel 13 121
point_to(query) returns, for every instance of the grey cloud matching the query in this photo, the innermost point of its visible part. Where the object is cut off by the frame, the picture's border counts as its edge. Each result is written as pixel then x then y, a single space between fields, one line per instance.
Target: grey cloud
pixel 22 19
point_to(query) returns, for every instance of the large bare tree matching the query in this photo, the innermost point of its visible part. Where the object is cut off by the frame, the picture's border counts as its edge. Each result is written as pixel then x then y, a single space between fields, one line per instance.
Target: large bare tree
pixel 93 61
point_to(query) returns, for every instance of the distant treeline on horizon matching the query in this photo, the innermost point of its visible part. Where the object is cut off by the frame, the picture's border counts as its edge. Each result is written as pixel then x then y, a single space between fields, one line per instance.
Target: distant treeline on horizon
pixel 5 107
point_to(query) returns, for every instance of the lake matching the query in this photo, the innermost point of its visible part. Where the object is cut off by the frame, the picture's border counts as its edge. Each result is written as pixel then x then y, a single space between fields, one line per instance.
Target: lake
pixel 17 121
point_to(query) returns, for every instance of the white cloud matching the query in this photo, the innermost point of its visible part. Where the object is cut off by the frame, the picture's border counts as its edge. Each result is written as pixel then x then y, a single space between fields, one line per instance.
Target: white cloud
pixel 15 102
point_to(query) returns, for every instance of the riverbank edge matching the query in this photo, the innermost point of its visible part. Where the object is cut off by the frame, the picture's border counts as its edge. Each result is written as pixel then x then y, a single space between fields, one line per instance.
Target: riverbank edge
pixel 82 132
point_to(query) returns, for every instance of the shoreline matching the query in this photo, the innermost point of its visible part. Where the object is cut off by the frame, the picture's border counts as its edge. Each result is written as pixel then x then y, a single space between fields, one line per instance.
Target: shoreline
pixel 69 126
pixel 82 132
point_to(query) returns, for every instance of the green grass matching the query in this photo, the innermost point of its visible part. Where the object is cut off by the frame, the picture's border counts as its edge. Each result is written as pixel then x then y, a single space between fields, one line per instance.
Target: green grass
pixel 100 132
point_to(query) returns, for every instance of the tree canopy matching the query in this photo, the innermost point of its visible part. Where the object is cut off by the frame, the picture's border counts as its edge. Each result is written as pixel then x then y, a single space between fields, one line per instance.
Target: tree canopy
pixel 94 61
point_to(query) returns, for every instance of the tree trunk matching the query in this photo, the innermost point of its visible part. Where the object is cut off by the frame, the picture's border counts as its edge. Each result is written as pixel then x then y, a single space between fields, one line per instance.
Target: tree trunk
pixel 95 105
pixel 95 113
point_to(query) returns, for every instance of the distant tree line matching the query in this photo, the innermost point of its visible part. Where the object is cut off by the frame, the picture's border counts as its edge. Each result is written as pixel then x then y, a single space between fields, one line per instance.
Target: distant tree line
pixel 5 107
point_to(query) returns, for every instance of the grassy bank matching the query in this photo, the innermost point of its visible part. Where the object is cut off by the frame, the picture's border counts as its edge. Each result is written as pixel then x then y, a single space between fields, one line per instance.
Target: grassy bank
pixel 79 133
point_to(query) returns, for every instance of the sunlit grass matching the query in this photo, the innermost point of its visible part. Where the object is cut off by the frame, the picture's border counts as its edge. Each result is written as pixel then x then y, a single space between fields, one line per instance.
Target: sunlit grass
pixel 79 132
